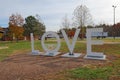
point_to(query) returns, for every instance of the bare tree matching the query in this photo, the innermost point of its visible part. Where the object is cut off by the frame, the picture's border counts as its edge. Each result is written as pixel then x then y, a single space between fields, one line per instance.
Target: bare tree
pixel 37 16
pixel 65 22
pixel 82 16
pixel 16 19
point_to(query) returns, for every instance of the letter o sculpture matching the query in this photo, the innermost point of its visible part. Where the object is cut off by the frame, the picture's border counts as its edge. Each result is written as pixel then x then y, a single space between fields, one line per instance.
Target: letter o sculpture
pixel 43 40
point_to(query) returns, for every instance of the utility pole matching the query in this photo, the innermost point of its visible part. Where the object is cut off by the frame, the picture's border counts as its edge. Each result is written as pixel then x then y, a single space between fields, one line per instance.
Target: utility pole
pixel 114 13
pixel 114 20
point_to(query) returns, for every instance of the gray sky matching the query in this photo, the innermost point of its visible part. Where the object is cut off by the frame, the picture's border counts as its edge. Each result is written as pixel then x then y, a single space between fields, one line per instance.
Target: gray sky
pixel 52 11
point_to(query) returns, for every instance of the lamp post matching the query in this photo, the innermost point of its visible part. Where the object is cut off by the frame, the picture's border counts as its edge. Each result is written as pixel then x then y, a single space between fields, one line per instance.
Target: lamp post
pixel 114 20
pixel 114 13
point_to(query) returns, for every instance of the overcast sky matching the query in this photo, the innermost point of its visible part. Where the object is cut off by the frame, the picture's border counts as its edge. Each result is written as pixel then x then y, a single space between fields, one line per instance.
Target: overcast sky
pixel 52 11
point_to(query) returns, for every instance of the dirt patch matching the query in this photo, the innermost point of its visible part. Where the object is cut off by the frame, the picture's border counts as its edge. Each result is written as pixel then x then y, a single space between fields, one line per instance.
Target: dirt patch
pixel 5 47
pixel 28 67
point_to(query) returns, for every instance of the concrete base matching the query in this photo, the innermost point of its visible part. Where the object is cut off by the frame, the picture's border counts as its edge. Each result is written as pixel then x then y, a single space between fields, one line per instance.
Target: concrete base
pixel 97 56
pixel 72 56
pixel 51 54
pixel 35 52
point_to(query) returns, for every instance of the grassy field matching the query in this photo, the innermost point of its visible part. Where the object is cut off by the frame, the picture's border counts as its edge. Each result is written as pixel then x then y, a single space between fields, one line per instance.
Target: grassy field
pixel 84 73
pixel 13 48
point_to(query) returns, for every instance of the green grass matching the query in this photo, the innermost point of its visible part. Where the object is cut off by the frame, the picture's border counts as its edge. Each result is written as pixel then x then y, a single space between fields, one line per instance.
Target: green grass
pixel 111 40
pixel 13 48
pixel 91 74
pixel 107 39
pixel 96 73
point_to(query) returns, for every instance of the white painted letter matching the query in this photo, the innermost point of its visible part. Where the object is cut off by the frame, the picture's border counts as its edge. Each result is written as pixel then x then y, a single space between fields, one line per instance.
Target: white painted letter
pixel 71 47
pixel 34 52
pixel 32 41
pixel 50 52
pixel 90 54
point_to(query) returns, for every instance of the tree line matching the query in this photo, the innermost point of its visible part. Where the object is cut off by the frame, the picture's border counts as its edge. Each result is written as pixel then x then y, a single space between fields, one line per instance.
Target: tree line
pixel 112 30
pixel 82 19
pixel 19 27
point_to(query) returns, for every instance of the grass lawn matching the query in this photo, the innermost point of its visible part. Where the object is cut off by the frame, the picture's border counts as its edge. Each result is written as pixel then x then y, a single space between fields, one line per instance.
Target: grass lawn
pixel 84 73
pixel 13 48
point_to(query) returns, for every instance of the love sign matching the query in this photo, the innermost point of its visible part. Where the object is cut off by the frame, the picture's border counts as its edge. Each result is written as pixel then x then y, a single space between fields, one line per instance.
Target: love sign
pixel 54 52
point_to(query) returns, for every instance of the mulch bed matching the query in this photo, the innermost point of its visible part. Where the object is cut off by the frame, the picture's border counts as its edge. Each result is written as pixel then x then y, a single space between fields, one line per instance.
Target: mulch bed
pixel 28 67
